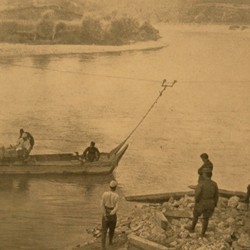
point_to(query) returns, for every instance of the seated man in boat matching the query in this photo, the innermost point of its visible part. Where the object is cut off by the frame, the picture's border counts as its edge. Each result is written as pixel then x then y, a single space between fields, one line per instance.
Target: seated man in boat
pixel 91 153
pixel 29 137
pixel 207 164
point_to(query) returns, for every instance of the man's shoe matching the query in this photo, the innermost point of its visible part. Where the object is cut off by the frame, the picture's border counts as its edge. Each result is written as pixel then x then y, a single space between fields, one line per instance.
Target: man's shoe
pixel 203 235
pixel 189 228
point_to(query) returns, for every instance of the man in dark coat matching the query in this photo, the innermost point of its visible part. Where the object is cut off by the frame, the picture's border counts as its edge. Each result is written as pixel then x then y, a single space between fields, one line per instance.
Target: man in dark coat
pixel 91 153
pixel 207 164
pixel 206 198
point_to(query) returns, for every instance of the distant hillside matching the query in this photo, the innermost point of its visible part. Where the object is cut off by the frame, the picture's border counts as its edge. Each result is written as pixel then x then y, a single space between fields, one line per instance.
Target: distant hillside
pixel 179 11
pixel 35 13
pixel 33 9
pixel 174 11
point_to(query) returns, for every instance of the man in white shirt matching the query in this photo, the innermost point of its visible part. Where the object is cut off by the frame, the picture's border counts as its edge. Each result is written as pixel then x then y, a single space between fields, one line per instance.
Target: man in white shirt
pixel 23 147
pixel 109 205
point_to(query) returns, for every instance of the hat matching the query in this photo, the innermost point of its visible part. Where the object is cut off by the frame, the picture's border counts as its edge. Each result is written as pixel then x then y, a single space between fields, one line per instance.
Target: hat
pixel 113 184
pixel 204 156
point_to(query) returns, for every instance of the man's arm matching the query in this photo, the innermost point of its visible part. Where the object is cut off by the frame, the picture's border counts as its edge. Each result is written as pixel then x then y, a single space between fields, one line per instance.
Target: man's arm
pixel 200 170
pixel 115 208
pixel 216 195
pixel 103 205
pixel 97 153
pixel 85 152
pixel 198 192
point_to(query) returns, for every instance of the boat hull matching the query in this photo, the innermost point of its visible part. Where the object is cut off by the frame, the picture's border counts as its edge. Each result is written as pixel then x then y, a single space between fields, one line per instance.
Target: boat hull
pixel 163 197
pixel 62 164
pixel 226 193
pixel 158 198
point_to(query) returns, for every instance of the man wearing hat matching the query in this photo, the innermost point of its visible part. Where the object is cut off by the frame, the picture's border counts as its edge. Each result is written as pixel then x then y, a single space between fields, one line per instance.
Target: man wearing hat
pixel 207 164
pixel 206 198
pixel 109 205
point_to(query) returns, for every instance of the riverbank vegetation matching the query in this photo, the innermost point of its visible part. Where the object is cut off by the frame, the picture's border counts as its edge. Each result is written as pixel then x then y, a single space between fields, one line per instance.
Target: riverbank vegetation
pixel 110 22
pixel 106 30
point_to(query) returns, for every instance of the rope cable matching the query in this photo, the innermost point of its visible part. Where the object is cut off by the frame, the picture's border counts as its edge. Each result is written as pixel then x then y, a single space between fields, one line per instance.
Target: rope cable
pixel 121 77
pixel 164 87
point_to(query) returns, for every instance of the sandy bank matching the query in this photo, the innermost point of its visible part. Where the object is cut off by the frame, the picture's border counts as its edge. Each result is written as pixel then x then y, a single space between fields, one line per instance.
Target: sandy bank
pixel 7 49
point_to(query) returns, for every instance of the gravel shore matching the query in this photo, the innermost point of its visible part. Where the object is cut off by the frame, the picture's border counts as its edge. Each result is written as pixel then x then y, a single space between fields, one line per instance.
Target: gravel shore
pixel 229 227
pixel 7 49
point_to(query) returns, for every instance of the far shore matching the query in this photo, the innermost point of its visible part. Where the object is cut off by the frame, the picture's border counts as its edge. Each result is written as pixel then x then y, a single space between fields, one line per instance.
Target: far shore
pixel 8 49
pixel 17 50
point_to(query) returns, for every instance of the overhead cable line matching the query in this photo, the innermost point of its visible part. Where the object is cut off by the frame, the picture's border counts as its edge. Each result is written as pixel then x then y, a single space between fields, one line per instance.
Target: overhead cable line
pixel 81 73
pixel 121 77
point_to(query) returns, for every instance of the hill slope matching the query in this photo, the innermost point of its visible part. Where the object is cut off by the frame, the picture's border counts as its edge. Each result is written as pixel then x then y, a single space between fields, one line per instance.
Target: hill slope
pixel 175 11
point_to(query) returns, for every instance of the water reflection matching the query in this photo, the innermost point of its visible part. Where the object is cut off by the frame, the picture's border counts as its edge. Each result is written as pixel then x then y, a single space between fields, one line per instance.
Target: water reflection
pixel 85 58
pixel 41 61
pixel 7 62
pixel 14 184
pixel 6 183
pixel 22 183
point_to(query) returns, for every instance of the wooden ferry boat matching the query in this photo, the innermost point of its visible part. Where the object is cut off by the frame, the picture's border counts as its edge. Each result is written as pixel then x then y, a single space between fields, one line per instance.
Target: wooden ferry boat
pixel 66 163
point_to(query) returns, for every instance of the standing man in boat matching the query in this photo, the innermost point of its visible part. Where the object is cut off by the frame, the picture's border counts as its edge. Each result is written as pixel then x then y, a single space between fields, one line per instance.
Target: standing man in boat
pixel 206 198
pixel 207 164
pixel 29 137
pixel 109 204
pixel 23 147
pixel 91 153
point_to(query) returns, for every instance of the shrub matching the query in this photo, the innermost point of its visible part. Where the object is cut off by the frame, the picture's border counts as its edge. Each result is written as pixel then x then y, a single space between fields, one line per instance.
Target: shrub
pixel 148 32
pixel 91 31
pixel 7 30
pixel 59 29
pixel 48 14
pixel 45 29
pixel 124 29
pixel 8 27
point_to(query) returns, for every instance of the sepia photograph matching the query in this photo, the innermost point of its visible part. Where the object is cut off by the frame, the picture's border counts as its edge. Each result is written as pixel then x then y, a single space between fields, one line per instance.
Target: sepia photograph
pixel 125 124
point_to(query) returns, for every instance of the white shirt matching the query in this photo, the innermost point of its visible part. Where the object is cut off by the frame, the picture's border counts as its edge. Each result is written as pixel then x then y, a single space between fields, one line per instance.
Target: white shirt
pixel 21 143
pixel 110 199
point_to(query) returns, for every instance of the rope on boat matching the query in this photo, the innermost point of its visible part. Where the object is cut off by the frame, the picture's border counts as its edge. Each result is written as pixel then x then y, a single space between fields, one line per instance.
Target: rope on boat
pixel 164 86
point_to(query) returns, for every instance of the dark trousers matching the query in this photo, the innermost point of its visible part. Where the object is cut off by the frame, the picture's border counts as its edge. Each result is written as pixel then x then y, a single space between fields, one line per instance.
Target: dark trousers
pixel 22 154
pixel 207 213
pixel 108 223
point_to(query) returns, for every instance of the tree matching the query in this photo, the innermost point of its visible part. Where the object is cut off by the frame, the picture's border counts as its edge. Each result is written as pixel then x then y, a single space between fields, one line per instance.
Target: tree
pixel 123 29
pixel 91 30
pixel 46 27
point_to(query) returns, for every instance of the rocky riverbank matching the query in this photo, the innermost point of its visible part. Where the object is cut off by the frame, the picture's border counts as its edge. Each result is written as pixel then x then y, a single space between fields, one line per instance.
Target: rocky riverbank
pixel 163 224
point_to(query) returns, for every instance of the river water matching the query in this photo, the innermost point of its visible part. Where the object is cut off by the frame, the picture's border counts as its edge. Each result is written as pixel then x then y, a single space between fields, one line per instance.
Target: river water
pixel 207 111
